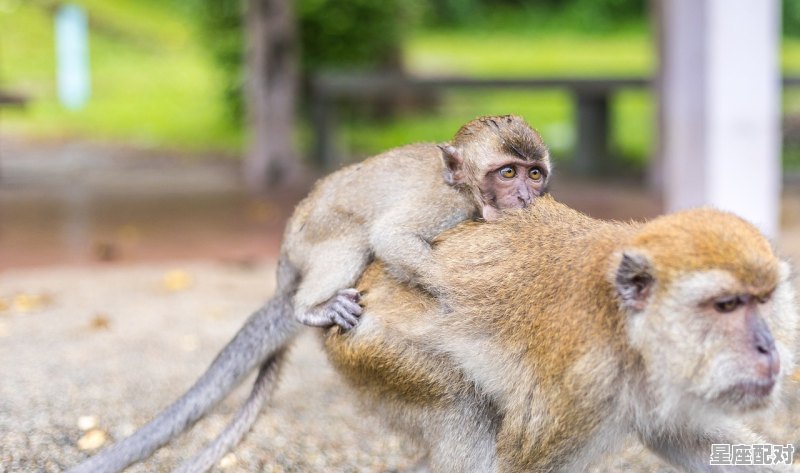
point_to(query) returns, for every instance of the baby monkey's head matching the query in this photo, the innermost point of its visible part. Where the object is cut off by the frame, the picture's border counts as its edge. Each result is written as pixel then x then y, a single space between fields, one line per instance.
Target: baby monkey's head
pixel 501 160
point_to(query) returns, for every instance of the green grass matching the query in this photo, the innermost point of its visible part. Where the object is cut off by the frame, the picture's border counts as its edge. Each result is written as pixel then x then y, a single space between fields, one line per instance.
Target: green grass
pixel 529 54
pixel 152 84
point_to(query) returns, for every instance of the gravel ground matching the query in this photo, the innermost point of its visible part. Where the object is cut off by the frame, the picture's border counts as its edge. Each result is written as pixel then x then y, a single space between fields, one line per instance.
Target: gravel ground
pixel 117 345
pixel 106 348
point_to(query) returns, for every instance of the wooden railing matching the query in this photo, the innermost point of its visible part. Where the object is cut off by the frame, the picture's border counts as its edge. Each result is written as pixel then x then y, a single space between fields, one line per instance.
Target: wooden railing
pixel 591 98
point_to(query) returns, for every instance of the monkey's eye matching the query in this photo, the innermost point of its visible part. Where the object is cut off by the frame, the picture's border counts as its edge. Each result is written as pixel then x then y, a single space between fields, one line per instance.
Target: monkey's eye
pixel 508 172
pixel 729 304
pixel 535 174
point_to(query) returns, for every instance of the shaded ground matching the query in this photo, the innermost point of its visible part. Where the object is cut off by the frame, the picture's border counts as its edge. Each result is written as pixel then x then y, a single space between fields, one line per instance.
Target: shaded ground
pixel 105 344
pixel 88 203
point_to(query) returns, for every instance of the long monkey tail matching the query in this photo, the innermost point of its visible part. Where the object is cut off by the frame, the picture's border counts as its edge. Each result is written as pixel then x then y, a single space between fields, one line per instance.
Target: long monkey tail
pixel 264 334
pixel 263 387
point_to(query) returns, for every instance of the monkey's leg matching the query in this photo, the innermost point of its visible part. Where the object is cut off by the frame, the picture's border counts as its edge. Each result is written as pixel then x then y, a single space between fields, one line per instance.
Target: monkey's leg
pixel 264 386
pixel 265 332
pixel 326 296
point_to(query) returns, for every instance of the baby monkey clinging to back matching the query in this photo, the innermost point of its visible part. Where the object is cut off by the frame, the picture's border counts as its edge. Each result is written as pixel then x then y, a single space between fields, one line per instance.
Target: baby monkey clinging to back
pixel 392 205
pixel 388 207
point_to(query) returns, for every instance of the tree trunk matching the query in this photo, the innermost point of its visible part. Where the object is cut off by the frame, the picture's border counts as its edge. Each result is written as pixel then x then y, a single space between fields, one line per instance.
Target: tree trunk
pixel 272 83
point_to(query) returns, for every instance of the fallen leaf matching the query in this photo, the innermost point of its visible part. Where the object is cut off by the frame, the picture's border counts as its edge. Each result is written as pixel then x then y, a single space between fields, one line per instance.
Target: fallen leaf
pixel 796 377
pixel 100 321
pixel 176 280
pixel 5 305
pixel 24 302
pixel 92 440
pixel 87 422
pixel 227 461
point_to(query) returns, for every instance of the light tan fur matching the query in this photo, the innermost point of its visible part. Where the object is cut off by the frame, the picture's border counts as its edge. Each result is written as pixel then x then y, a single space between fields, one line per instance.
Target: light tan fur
pixel 534 339
pixel 392 205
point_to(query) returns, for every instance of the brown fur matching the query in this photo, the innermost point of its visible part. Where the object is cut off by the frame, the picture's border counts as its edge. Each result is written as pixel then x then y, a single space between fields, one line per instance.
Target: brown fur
pixel 531 317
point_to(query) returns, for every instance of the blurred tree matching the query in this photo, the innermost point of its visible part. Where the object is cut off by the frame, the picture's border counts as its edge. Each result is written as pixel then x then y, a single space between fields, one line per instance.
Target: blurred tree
pixel 791 17
pixel 220 28
pixel 589 15
pixel 353 34
pixel 453 12
pixel 333 34
pixel 272 80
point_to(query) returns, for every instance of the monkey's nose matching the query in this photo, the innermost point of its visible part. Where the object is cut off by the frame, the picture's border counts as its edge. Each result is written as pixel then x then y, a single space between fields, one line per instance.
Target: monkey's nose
pixel 768 363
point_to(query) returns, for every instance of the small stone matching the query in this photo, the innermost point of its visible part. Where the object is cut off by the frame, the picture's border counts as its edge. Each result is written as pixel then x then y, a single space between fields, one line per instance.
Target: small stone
pixel 227 461
pixel 125 430
pixel 92 440
pixel 87 422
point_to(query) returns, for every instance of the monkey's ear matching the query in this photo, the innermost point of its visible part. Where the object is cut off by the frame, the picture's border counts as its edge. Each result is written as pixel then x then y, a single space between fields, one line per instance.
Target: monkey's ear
pixel 453 165
pixel 633 280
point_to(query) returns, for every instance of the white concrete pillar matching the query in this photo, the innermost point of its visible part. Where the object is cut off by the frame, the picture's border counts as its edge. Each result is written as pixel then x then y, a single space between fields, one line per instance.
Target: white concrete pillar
pixel 719 94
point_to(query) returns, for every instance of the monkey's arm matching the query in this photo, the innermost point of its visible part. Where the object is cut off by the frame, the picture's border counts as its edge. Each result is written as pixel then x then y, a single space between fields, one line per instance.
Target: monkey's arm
pixel 403 246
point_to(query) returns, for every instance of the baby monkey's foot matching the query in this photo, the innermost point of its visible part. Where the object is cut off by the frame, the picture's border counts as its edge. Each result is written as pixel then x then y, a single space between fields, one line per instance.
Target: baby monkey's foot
pixel 342 310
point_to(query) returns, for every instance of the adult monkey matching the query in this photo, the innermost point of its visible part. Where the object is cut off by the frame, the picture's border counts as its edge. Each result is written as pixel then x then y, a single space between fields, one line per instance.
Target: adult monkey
pixel 558 335
pixel 389 206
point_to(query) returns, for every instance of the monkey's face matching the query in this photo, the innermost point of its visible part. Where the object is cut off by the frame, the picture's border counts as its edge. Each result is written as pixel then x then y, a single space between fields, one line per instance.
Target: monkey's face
pixel 510 182
pixel 712 339
pixel 501 159
pixel 710 310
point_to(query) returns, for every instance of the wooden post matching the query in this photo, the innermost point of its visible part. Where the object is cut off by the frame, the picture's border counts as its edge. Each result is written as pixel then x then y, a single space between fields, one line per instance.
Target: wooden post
pixel 272 72
pixel 719 91
pixel 593 130
pixel 324 126
pixel 72 56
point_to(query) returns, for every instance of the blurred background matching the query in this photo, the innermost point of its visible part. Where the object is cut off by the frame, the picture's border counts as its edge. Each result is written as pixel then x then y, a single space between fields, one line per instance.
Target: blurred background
pixel 188 128
pixel 152 150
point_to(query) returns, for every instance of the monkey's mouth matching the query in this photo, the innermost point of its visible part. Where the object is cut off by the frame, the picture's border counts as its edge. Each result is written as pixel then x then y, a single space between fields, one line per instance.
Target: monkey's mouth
pixel 748 394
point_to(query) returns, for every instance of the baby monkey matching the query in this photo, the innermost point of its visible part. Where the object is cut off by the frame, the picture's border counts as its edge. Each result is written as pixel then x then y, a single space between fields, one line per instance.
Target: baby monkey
pixel 388 207
pixel 392 205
